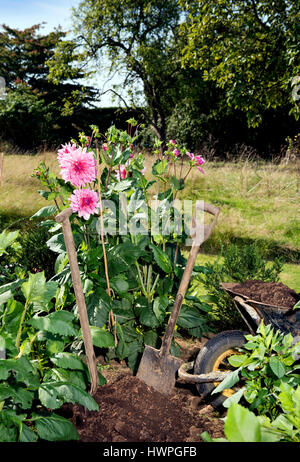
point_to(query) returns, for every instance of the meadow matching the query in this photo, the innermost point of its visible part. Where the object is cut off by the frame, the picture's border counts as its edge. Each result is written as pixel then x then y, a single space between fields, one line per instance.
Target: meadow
pixel 259 203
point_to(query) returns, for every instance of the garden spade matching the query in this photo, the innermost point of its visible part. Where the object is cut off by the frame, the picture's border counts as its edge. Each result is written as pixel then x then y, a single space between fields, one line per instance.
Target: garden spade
pixel 157 367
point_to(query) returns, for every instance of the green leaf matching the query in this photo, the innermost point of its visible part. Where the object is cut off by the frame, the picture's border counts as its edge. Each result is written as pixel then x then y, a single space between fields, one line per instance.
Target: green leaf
pixel 134 352
pixel 159 307
pixel 235 398
pixel 68 361
pixel 6 239
pixel 101 338
pixel 98 307
pixel 137 200
pixel 228 382
pixel 27 435
pixel 19 395
pixel 58 322
pixel 161 258
pixel 45 212
pixel 119 285
pixel 54 428
pixel 242 425
pixel 53 394
pixel 144 311
pixel 8 434
pixel 57 243
pixel 34 288
pixel 277 367
pixel 237 360
pixel 189 317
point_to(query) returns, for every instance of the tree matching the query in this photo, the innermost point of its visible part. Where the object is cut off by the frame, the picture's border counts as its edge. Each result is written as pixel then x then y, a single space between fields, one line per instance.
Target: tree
pixel 140 39
pixel 250 48
pixel 34 104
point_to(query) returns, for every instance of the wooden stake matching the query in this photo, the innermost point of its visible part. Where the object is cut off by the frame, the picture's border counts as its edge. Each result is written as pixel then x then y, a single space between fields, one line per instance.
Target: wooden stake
pixel 63 218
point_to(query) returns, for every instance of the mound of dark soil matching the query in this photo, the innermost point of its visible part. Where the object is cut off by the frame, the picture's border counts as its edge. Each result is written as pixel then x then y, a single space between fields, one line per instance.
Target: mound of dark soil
pixel 271 293
pixel 131 411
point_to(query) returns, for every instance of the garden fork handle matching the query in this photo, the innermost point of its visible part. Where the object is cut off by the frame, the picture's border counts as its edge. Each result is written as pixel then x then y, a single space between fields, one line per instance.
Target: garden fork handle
pixel 63 218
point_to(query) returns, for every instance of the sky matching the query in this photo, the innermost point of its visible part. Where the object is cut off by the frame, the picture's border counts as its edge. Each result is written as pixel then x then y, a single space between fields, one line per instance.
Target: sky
pixel 25 13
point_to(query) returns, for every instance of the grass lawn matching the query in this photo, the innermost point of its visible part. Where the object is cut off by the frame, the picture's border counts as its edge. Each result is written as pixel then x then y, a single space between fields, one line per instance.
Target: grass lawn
pixel 259 203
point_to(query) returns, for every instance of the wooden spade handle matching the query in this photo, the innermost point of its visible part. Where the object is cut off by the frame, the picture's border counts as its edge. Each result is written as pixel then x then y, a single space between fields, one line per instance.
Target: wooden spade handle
pixel 63 218
pixel 197 241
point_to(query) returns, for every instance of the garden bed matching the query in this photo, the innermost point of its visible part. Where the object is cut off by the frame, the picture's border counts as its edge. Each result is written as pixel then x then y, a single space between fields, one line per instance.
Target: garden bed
pixel 131 411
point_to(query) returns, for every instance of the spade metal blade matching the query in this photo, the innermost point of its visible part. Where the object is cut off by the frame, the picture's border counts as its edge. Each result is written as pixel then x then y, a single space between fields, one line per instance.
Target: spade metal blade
pixel 158 371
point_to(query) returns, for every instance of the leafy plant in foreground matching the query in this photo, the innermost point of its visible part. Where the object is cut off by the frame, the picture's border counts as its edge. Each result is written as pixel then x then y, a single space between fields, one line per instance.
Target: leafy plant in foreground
pixel 266 364
pixel 38 373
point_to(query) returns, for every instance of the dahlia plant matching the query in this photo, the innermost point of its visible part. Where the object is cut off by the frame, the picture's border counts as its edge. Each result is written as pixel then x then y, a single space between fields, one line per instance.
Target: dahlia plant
pixel 130 282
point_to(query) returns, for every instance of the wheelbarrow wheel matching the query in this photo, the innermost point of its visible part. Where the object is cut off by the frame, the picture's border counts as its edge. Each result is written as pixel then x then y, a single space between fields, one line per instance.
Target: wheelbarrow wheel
pixel 214 357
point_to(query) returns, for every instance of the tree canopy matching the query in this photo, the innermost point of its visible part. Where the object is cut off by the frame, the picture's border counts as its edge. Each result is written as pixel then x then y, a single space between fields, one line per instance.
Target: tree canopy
pixel 34 104
pixel 140 40
pixel 250 48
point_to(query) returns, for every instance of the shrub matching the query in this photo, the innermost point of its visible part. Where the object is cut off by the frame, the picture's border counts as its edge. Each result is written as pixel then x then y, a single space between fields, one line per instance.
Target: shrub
pixel 239 264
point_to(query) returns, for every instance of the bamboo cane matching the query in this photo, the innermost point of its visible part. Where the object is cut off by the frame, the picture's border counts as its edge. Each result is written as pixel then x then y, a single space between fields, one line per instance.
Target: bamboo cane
pixel 1 166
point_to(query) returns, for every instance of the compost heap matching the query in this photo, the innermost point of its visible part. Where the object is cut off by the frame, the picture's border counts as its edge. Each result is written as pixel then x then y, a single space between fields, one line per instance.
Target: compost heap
pixel 270 293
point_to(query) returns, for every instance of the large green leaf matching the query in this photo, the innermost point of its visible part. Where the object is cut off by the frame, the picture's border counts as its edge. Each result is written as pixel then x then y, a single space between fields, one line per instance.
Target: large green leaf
pixel 137 200
pixel 119 284
pixel 101 338
pixel 68 361
pixel 18 394
pixel 189 317
pixel 277 367
pixel 228 382
pixel 34 288
pixel 54 428
pixel 98 307
pixel 8 434
pixel 47 211
pixel 123 310
pixel 159 307
pixel 57 243
pixel 144 311
pixel 27 435
pixel 22 369
pixel 6 239
pixel 161 258
pixel 58 322
pixel 53 394
pixel 241 425
pixel 67 375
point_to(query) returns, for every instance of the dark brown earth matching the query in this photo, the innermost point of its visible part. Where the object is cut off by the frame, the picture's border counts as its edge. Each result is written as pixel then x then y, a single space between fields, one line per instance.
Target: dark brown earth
pixel 131 411
pixel 271 293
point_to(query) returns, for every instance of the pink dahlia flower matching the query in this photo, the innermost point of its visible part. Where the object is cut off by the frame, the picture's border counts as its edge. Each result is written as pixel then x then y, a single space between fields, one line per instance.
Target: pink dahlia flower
pixel 173 142
pixel 190 155
pixel 199 161
pixel 121 173
pixel 65 150
pixel 104 147
pixel 85 202
pixel 176 153
pixel 78 167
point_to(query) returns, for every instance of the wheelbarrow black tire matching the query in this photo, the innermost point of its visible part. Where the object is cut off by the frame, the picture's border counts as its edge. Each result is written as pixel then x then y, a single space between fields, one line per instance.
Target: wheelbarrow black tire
pixel 223 344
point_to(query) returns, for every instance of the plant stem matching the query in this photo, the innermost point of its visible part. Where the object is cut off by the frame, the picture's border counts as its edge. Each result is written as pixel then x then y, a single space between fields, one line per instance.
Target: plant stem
pixel 101 240
pixel 18 339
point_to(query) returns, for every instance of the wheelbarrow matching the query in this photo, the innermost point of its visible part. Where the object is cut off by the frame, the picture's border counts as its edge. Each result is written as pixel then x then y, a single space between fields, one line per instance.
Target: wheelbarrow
pixel 211 365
